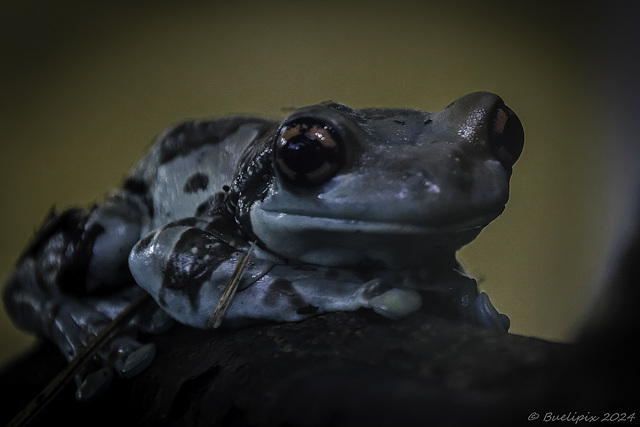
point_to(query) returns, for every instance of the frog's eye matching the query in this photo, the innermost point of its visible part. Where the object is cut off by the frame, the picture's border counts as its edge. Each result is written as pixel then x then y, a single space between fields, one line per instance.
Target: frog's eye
pixel 507 136
pixel 308 152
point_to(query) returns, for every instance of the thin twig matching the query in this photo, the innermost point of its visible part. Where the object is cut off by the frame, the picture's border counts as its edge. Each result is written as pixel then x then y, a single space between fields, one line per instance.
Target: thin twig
pixel 230 289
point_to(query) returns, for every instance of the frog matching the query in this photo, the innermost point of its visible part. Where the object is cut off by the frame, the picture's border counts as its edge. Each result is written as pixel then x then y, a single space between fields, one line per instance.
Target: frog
pixel 329 209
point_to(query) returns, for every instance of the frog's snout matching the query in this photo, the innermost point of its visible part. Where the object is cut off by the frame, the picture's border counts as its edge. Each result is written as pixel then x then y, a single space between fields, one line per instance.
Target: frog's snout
pixel 483 116
pixel 506 135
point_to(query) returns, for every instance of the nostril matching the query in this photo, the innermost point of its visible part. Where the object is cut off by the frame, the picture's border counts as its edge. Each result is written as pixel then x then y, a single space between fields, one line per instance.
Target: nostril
pixel 506 136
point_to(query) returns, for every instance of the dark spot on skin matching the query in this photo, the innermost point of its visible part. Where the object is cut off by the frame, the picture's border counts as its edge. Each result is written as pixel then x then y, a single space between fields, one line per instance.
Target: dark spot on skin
pixel 282 285
pixel 196 182
pixel 190 136
pixel 225 229
pixel 195 256
pixel 184 222
pixel 254 176
pixel 213 206
pixel 428 121
pixel 139 187
pixel 401 122
pixel 146 240
pixel 69 223
pixel 283 289
pixel 64 247
pixel 135 186
pixel 148 202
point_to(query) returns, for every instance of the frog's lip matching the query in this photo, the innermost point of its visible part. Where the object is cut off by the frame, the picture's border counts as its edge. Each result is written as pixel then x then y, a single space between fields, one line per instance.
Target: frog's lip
pixel 349 242
pixel 298 221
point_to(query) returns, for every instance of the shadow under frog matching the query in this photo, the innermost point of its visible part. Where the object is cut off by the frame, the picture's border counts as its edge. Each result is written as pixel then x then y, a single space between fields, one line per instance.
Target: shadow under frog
pixel 343 209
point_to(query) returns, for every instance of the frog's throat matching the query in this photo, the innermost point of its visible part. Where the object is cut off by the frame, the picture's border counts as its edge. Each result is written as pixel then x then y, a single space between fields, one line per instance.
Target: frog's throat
pixel 344 242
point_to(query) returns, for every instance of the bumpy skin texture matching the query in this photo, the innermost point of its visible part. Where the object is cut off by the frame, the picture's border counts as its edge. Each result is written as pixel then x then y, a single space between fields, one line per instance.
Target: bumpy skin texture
pixel 346 209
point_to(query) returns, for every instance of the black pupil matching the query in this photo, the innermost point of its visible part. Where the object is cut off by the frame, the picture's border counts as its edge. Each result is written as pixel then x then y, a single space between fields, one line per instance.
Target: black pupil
pixel 303 154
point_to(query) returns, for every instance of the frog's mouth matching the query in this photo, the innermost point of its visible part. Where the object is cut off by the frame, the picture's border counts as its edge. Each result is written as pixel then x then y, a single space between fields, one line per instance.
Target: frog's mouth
pixel 345 242
pixel 296 221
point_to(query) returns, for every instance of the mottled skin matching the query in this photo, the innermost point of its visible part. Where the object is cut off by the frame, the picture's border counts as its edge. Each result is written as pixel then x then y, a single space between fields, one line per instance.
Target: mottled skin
pixel 347 208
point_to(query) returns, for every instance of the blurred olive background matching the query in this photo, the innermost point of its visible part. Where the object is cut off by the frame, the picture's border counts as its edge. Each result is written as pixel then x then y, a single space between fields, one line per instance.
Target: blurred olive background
pixel 87 85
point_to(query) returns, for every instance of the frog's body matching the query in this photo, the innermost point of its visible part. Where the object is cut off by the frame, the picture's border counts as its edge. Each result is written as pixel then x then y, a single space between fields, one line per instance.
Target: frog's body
pixel 346 209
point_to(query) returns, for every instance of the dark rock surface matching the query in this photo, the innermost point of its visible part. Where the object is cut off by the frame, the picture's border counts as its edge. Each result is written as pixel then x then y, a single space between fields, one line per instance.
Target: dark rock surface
pixel 338 369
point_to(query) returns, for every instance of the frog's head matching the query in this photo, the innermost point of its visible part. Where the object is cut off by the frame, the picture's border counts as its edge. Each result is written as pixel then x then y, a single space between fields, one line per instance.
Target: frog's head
pixel 391 186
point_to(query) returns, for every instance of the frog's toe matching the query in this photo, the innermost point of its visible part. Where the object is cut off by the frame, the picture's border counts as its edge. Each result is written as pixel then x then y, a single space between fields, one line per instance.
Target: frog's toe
pixel 138 360
pixel 94 384
pixel 487 315
pixel 129 358
pixel 396 303
pixel 124 356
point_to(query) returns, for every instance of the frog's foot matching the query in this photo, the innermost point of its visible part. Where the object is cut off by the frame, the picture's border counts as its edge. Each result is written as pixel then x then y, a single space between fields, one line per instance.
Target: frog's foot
pixel 487 315
pixel 122 355
pixel 392 303
pixel 95 381
pixel 73 322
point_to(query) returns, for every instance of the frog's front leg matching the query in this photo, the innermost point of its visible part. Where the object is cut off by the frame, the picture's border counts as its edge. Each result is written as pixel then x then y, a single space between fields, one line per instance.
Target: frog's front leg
pixel 185 267
pixel 467 303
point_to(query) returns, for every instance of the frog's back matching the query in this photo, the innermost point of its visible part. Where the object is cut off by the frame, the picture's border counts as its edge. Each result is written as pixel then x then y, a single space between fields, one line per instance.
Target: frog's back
pixel 189 163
